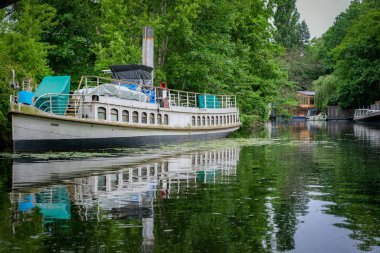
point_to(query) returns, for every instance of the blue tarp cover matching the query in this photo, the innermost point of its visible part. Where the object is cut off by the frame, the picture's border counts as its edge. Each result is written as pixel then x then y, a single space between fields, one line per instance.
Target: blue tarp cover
pixel 208 101
pixel 56 85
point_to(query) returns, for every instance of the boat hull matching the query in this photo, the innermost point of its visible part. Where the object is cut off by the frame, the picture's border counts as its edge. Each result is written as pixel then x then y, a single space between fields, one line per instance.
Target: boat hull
pixel 373 117
pixel 38 133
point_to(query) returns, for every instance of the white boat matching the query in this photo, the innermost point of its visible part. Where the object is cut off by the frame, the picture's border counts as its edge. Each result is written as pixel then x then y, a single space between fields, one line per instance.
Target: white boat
pixel 125 110
pixel 319 117
pixel 371 114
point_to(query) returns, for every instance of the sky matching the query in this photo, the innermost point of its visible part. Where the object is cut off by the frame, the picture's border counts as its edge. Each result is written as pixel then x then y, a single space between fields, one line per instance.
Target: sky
pixel 320 14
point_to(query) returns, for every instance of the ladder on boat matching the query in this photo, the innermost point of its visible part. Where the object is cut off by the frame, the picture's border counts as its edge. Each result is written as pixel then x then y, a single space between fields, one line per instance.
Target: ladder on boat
pixel 73 106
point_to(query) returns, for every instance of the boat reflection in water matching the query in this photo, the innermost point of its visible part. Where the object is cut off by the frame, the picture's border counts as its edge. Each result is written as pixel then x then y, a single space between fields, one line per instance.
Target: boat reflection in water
pixel 368 132
pixel 127 191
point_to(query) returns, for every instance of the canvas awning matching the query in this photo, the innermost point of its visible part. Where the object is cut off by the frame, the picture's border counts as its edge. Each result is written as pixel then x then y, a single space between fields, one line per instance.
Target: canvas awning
pixel 133 73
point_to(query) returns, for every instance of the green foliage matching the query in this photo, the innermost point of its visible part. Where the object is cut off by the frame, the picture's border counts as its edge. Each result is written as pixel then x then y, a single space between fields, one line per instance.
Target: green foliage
pixel 72 37
pixel 326 89
pixel 303 66
pixel 289 31
pixel 21 50
pixel 350 51
pixel 117 45
pixel 294 36
pixel 358 62
pixel 336 33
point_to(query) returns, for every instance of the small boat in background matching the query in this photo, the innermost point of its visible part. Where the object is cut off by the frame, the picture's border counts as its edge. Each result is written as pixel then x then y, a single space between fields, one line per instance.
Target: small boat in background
pixel 371 114
pixel 318 117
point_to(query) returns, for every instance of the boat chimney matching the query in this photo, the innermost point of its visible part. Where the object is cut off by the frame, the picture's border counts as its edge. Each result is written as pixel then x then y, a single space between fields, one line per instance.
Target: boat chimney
pixel 148 47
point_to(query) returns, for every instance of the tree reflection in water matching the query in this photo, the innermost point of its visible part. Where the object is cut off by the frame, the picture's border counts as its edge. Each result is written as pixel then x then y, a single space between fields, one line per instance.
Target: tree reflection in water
pixel 314 187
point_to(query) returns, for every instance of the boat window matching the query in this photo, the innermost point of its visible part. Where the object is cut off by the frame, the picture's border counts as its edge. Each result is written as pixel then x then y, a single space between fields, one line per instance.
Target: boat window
pixel 203 120
pixel 228 119
pixel 233 119
pixel 102 113
pixel 159 119
pixel 212 120
pixel 125 116
pixel 216 120
pixel 135 117
pixel 193 120
pixel 198 120
pixel 224 120
pixel 151 119
pixel 166 119
pixel 144 118
pixel 208 120
pixel 114 115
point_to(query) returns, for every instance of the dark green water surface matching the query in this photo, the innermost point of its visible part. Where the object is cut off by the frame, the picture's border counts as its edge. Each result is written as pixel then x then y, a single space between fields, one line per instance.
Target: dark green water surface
pixel 301 187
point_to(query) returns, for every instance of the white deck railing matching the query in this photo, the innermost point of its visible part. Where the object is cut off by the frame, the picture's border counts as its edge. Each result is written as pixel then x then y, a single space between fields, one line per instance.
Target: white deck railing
pixel 73 104
pixel 174 97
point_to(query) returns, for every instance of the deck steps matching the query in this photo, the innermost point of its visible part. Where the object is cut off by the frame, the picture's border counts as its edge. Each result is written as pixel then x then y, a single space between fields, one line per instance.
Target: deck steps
pixel 72 107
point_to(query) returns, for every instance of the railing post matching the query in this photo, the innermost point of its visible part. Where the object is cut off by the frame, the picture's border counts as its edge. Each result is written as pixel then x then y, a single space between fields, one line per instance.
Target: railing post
pixel 187 99
pixel 119 89
pixel 179 99
pixel 51 110
pixel 10 102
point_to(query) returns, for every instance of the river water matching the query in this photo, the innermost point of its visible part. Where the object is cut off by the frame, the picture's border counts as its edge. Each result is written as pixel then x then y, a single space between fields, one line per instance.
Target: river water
pixel 300 187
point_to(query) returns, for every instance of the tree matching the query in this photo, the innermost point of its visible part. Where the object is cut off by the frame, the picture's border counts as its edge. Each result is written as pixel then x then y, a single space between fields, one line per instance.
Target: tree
pixel 294 36
pixel 326 91
pixel 289 32
pixel 358 62
pixel 336 33
pixel 349 52
pixel 21 50
pixel 73 37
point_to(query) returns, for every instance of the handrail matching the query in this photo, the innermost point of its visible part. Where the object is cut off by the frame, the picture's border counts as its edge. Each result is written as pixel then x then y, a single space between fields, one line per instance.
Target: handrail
pixel 118 81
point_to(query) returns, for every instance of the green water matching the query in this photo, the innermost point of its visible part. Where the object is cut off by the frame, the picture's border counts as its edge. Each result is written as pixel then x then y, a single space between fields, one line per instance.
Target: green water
pixel 298 188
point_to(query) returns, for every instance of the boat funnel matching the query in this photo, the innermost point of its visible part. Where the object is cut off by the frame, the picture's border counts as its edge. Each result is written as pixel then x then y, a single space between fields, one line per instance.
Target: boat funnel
pixel 148 47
